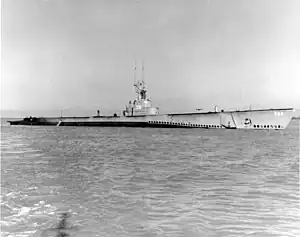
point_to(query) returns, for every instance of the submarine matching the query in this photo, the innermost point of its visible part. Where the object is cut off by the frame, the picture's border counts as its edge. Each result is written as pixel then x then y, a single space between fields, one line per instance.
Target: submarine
pixel 141 113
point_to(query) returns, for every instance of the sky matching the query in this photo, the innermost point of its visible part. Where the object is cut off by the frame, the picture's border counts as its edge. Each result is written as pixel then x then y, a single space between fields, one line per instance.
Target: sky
pixel 78 55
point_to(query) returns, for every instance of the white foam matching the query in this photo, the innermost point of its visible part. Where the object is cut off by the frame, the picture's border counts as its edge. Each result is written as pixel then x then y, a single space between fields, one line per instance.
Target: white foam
pixel 24 211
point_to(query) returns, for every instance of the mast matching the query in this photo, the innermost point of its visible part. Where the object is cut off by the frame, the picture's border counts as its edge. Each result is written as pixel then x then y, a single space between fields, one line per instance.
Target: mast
pixel 135 82
pixel 142 104
pixel 143 71
pixel 134 74
pixel 140 87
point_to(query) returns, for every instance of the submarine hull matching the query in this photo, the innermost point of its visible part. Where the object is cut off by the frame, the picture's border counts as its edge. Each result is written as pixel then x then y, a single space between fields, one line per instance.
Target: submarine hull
pixel 248 119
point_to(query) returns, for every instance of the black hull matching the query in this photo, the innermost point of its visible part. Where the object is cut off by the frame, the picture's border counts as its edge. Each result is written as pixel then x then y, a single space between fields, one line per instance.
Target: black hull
pixel 31 124
pixel 228 127
pixel 106 124
pixel 124 124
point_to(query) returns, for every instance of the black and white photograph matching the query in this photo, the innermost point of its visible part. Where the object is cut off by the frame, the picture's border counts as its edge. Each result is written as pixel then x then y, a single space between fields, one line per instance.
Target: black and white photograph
pixel 150 118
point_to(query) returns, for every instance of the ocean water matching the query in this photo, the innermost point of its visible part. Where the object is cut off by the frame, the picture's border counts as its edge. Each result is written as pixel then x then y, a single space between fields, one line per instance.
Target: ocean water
pixel 150 182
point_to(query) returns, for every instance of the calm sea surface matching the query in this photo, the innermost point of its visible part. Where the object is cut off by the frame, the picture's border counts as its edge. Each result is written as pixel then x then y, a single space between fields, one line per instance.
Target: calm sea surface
pixel 150 182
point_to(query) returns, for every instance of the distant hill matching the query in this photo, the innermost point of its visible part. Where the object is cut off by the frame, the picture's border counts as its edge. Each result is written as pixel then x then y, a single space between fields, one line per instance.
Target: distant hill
pixel 45 113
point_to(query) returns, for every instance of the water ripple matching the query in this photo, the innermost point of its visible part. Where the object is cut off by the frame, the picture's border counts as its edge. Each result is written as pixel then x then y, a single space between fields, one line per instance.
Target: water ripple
pixel 150 182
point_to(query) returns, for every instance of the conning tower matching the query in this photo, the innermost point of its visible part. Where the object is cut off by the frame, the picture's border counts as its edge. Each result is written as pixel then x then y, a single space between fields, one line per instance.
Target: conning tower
pixel 142 105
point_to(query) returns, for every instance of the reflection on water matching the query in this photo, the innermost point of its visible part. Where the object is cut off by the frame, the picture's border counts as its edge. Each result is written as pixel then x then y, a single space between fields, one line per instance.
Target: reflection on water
pixel 63 228
pixel 149 182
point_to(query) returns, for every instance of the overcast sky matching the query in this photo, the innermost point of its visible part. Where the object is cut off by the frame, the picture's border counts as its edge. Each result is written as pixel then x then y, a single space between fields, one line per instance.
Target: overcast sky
pixel 78 55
